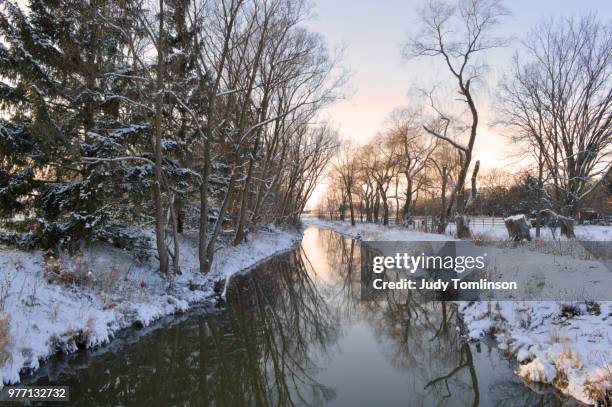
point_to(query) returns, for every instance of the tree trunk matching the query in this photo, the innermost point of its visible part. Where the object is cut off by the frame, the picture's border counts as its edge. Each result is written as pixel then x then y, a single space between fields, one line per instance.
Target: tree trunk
pixel 360 212
pixel 240 230
pixel 407 212
pixel 202 235
pixel 376 208
pixel 157 185
pixel 462 220
pixel 567 227
pixel 176 259
pixel 180 217
pixel 352 212
pixel 383 197
pixel 518 228
pixel 539 194
pixel 443 215
pixel 210 249
pixel 397 205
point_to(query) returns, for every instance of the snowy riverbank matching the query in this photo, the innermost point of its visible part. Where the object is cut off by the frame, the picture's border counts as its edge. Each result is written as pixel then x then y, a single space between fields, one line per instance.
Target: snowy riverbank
pixel 565 344
pixel 371 231
pixel 83 301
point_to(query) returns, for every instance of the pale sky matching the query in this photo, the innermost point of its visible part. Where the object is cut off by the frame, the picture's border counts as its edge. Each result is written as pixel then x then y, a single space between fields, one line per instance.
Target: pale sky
pixel 373 32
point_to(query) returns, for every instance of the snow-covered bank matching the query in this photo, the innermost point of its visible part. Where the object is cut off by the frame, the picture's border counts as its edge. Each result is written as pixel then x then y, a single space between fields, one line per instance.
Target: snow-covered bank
pixel 50 306
pixel 568 345
pixel 565 344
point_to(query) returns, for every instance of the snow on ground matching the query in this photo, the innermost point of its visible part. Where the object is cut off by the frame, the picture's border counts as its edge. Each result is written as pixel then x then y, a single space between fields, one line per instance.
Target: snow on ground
pixel 375 232
pixel 113 290
pixel 371 231
pixel 498 231
pixel 565 344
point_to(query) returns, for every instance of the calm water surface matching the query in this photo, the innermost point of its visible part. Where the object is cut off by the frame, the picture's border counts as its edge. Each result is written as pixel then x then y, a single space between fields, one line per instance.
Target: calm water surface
pixel 295 332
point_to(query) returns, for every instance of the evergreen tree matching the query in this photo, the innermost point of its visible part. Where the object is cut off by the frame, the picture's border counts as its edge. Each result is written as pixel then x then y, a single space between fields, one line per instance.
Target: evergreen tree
pixel 59 96
pixel 529 196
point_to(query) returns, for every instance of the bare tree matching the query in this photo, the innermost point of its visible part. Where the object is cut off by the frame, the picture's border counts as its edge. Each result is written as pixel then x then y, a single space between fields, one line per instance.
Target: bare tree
pixel 382 169
pixel 308 156
pixel 413 153
pixel 442 169
pixel 558 103
pixel 346 168
pixel 366 188
pixel 264 78
pixel 458 33
pixel 148 34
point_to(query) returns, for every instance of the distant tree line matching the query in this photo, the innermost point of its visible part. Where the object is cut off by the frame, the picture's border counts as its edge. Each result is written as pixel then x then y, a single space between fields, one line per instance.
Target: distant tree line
pixel 186 115
pixel 500 193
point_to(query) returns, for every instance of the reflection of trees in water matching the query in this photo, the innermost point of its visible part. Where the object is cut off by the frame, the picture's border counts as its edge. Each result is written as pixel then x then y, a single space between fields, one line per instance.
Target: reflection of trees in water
pixel 275 323
pixel 342 256
pixel 512 393
pixel 257 352
pixel 420 336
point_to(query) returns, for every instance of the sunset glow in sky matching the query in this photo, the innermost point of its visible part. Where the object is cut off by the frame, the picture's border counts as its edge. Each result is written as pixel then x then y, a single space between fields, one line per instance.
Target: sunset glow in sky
pixel 373 32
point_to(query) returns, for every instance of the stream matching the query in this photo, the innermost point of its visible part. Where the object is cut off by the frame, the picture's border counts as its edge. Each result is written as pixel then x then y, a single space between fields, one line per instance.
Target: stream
pixel 294 331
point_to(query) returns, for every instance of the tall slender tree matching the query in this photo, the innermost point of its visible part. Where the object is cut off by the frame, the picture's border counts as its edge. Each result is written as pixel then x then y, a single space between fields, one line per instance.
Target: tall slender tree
pixel 458 33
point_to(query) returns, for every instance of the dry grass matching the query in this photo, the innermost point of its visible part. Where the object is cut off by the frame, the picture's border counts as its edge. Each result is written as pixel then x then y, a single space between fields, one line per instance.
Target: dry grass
pixel 482 239
pixel 554 337
pixel 5 339
pixel 561 381
pixel 572 357
pixel 5 287
pixel 600 390
pixel 109 280
pixel 57 272
pixel 88 332
pixel 498 316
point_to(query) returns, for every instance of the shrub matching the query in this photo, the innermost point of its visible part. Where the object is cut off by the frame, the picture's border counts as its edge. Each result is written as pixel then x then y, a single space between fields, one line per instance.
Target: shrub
pixel 593 308
pixel 570 310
